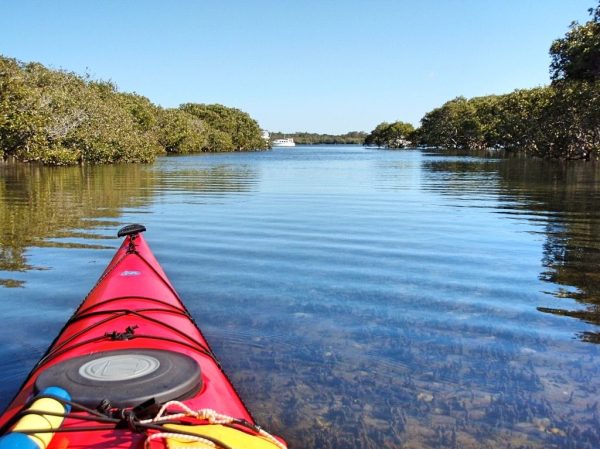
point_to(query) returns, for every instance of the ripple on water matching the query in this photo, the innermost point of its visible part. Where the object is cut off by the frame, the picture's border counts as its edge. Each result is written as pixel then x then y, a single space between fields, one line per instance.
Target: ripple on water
pixel 357 298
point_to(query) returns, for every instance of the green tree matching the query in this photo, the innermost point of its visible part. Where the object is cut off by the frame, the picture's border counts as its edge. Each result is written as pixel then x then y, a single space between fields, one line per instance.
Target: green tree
pixel 560 121
pixel 143 112
pixel 570 125
pixel 20 117
pixel 391 135
pixel 243 132
pixel 60 118
pixel 181 132
pixel 576 56
pixel 454 125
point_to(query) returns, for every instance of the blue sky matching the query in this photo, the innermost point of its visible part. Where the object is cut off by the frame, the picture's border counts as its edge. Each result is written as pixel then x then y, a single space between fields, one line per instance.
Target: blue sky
pixel 319 66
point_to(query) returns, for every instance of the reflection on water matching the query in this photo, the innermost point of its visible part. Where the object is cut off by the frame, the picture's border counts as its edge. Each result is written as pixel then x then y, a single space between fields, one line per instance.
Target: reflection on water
pixel 564 198
pixel 74 207
pixel 41 206
pixel 357 298
pixel 569 196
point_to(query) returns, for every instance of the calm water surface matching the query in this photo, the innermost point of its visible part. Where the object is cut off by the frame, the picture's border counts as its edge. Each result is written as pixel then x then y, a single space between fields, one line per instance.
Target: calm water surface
pixel 357 298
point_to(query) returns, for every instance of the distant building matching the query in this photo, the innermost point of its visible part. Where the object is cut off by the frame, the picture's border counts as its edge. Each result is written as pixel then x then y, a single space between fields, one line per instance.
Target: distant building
pixel 266 135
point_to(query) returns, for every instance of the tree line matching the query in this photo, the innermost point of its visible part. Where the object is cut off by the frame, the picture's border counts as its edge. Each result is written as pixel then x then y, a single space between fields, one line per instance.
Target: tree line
pixel 391 135
pixel 60 118
pixel 304 138
pixel 560 121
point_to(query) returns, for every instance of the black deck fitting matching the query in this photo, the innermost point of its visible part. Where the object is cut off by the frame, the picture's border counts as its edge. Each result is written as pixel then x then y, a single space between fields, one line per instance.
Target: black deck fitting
pixel 131 229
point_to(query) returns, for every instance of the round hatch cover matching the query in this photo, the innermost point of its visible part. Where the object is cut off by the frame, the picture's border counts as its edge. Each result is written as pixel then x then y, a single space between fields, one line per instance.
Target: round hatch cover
pixel 113 368
pixel 126 378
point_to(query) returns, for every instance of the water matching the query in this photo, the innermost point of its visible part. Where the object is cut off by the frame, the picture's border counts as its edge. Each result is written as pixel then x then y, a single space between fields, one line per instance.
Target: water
pixel 356 297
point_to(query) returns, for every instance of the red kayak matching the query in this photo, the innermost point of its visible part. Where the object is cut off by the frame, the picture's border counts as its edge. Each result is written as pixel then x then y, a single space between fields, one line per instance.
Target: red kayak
pixel 130 368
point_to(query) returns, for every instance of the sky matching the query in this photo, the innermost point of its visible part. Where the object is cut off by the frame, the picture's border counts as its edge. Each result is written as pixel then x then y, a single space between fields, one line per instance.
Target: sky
pixel 328 66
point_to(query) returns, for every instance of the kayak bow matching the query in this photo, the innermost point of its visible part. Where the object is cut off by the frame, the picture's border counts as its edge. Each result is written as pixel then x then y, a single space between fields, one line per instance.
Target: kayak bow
pixel 130 348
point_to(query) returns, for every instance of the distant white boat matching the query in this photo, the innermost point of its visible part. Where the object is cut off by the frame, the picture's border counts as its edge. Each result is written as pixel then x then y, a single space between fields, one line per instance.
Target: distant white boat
pixel 284 143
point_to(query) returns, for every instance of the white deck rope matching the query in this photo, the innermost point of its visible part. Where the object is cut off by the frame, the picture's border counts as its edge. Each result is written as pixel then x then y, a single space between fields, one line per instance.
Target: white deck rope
pixel 205 414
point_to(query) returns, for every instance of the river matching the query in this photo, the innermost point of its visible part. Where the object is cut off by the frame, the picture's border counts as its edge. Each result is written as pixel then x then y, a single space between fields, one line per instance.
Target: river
pixel 358 298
